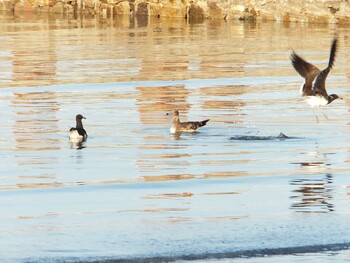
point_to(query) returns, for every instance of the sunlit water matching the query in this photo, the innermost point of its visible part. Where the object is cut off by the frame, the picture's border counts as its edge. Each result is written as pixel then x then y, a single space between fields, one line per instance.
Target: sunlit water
pixel 133 190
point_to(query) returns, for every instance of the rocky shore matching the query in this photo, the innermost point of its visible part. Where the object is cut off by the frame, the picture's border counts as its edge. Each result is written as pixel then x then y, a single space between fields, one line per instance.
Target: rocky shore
pixel 318 11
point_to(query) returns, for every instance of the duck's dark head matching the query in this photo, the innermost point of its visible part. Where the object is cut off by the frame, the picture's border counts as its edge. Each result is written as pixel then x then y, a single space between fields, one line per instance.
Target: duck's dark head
pixel 79 117
pixel 333 97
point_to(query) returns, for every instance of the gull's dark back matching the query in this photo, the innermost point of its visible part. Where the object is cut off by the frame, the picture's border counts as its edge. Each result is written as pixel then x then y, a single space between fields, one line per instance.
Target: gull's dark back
pixel 81 131
pixel 192 125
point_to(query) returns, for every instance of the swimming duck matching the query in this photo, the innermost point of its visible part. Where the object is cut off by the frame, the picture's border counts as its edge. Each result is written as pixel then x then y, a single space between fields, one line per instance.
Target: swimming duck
pixel 78 133
pixel 188 127
pixel 314 87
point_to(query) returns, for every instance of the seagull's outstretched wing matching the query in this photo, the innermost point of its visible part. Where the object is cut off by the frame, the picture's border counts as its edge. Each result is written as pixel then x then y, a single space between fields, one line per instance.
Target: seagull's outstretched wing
pixel 319 86
pixel 307 71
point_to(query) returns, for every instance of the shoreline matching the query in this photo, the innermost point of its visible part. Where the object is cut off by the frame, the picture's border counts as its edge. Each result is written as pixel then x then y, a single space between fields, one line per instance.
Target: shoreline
pixel 320 11
pixel 218 256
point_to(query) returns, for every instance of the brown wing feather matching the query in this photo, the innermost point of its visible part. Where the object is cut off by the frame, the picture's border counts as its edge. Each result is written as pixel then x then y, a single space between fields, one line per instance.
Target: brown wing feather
pixel 192 125
pixel 307 71
pixel 303 67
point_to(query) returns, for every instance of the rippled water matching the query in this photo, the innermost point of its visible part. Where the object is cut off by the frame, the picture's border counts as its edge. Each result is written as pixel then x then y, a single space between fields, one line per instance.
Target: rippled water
pixel 133 190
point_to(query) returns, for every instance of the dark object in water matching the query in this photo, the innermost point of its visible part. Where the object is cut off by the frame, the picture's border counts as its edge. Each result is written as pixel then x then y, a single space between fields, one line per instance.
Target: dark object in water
pixel 281 136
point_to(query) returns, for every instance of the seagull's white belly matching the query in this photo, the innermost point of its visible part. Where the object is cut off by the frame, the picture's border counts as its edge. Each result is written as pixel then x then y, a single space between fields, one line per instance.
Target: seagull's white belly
pixel 75 136
pixel 316 101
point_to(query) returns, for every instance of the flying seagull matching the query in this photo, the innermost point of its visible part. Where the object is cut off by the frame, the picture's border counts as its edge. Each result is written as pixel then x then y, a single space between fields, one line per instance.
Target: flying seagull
pixel 314 87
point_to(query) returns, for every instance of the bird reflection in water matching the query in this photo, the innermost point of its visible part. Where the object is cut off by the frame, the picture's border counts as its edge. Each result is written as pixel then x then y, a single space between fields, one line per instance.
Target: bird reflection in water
pixel 176 136
pixel 184 135
pixel 313 194
pixel 77 145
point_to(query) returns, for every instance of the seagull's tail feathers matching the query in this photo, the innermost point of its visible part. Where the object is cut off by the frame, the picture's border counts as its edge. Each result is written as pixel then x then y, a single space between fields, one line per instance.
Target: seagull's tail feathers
pixel 203 123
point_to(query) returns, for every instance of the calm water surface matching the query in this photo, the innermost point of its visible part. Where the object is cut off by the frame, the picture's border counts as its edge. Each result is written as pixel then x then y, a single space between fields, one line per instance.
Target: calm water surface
pixel 132 190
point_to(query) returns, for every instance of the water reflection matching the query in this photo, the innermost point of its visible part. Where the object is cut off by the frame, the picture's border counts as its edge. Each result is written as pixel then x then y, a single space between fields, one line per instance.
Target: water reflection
pixel 313 194
pixel 142 20
pixel 34 62
pixel 224 98
pixel 209 175
pixel 154 101
pixel 36 122
pixel 113 50
pixel 162 163
pixel 77 145
pixel 213 70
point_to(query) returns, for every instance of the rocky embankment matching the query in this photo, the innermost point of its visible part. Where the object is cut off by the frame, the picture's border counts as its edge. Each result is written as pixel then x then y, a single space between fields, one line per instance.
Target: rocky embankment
pixel 319 11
